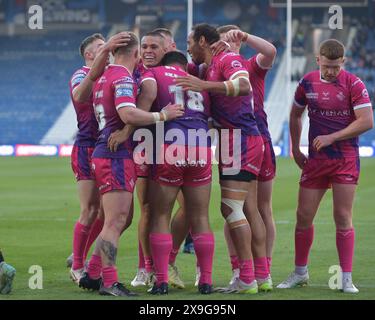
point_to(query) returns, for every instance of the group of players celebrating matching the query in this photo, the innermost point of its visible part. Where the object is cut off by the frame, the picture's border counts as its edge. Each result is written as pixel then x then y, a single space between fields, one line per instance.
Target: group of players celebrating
pixel 135 120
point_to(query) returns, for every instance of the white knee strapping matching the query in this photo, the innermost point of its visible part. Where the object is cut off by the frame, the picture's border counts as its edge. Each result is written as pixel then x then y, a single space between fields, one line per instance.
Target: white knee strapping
pixel 237 218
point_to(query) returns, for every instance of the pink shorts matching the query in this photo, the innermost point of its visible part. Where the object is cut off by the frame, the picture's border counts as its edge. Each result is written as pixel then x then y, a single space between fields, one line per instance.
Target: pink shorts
pixel 114 174
pixel 321 173
pixel 184 166
pixel 81 163
pixel 268 168
pixel 248 158
pixel 142 169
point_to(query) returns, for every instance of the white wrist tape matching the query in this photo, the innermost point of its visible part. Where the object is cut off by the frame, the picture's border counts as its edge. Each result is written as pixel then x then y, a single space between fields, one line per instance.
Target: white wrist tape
pixel 165 115
pixel 232 87
pixel 236 85
pixel 156 116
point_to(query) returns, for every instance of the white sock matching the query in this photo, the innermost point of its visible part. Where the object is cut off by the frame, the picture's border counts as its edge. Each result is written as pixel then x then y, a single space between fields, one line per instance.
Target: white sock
pixel 300 270
pixel 347 278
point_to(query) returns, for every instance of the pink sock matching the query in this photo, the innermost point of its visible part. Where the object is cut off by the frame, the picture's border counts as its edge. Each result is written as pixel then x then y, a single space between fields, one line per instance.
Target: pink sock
pixel 204 244
pixel 94 268
pixel 303 242
pixel 96 228
pixel 234 262
pixel 149 264
pixel 161 246
pixel 247 271
pixel 141 258
pixel 81 234
pixel 269 263
pixel 345 248
pixel 109 276
pixel 261 268
pixel 173 255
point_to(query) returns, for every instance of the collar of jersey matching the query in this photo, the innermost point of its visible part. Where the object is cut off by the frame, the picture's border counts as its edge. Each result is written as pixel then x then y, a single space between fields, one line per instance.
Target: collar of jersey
pixel 119 65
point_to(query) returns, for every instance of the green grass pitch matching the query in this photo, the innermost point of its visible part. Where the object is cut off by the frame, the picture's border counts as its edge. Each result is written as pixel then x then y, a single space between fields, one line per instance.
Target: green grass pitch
pixel 39 206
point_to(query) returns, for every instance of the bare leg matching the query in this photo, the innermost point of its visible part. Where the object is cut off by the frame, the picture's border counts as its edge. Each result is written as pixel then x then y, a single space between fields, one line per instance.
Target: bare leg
pixel 265 210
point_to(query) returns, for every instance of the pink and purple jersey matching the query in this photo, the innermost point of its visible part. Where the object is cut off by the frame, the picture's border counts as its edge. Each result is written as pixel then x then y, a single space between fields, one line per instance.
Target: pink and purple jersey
pixel 138 73
pixel 331 107
pixel 87 124
pixel 197 104
pixel 114 90
pixel 231 112
pixel 257 76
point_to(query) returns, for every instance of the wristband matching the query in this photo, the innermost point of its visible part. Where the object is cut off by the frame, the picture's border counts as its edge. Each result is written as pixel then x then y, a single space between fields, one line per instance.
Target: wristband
pixel 164 114
pixel 156 116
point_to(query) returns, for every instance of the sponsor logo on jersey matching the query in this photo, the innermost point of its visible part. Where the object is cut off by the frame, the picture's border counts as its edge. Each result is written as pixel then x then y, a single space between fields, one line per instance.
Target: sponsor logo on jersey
pixel 124 80
pixel 78 78
pixel 312 95
pixel 326 96
pixel 365 93
pixel 331 113
pixel 124 92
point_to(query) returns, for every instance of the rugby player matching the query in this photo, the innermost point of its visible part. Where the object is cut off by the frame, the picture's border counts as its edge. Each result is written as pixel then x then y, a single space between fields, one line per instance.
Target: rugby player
pixel 227 80
pixel 190 172
pixel 340 110
pixel 153 48
pixel 89 224
pixel 262 223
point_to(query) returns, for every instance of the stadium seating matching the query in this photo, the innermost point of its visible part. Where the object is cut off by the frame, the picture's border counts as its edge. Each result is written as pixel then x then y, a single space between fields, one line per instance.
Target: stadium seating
pixel 35 72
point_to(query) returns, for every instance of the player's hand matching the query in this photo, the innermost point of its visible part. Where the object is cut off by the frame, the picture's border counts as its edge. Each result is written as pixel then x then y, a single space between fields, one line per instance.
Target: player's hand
pixel 173 111
pixel 190 82
pixel 118 40
pixel 237 36
pixel 116 138
pixel 322 141
pixel 219 47
pixel 299 158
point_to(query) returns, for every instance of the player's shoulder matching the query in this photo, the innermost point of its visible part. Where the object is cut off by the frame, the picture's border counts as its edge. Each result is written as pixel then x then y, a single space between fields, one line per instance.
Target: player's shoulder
pixel 351 79
pixel 79 75
pixel 231 57
pixel 82 70
pixel 119 73
pixel 253 64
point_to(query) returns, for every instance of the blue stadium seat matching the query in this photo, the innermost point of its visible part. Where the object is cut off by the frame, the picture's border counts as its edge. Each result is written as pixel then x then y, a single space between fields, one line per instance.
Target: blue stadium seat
pixel 34 84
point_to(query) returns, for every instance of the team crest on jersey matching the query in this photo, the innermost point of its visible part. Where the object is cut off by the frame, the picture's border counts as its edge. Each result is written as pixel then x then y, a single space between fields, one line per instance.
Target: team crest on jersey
pixel 236 64
pixel 341 96
pixel 124 85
